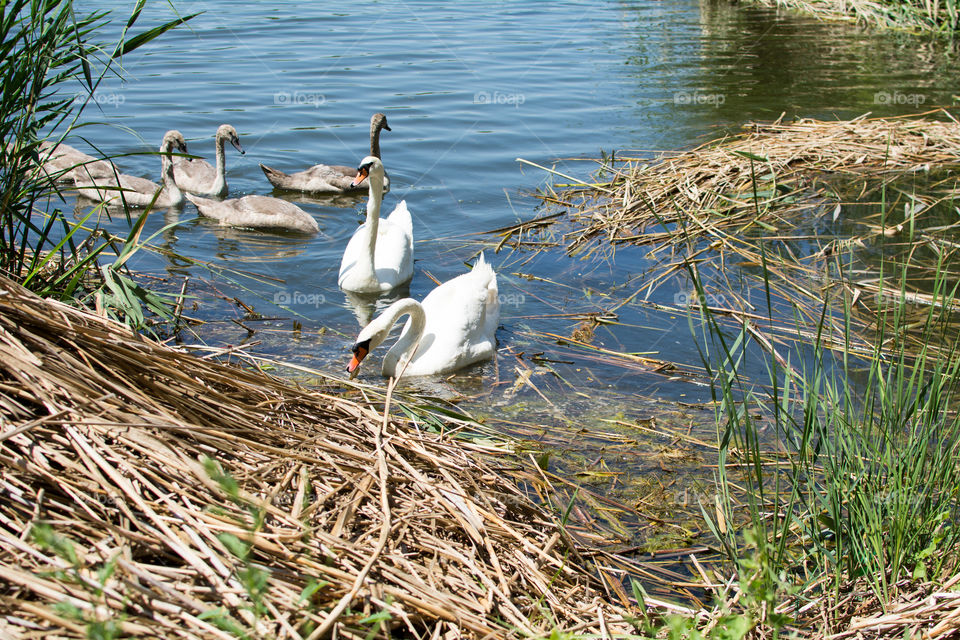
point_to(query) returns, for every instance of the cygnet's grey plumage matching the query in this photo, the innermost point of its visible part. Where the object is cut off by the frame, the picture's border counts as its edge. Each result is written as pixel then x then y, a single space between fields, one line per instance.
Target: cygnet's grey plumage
pixel 136 191
pixel 325 178
pixel 199 176
pixel 257 212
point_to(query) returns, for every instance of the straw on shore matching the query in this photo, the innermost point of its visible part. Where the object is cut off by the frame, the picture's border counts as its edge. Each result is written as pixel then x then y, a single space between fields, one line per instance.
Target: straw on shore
pixel 160 495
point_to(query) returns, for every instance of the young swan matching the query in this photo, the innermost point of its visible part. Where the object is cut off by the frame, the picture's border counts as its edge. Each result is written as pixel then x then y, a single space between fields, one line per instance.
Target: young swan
pixel 136 191
pixel 199 176
pixel 453 327
pixel 63 162
pixel 327 178
pixel 379 256
pixel 257 212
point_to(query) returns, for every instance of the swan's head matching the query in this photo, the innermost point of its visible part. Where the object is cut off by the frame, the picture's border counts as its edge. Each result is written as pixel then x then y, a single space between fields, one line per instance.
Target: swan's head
pixel 369 167
pixel 173 140
pixel 372 335
pixel 368 340
pixel 228 133
pixel 379 121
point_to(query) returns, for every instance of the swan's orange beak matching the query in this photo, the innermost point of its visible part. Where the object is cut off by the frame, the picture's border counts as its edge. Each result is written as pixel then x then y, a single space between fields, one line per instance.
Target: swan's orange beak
pixel 362 174
pixel 360 351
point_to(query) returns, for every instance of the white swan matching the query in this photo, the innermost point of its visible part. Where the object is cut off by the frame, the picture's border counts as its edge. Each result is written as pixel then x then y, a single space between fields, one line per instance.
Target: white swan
pixel 63 162
pixel 257 212
pixel 323 178
pixel 135 191
pixel 199 176
pixel 379 256
pixel 454 326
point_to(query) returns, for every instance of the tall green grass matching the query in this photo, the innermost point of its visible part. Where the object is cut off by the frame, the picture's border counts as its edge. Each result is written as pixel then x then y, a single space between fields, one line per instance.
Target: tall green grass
pixel 839 469
pixel 49 56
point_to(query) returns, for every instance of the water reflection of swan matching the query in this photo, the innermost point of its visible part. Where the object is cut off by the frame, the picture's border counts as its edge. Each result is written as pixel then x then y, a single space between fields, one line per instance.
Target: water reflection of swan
pixel 257 212
pixel 338 200
pixel 453 327
pixel 379 256
pixel 364 305
pixel 135 191
pixel 323 178
pixel 199 176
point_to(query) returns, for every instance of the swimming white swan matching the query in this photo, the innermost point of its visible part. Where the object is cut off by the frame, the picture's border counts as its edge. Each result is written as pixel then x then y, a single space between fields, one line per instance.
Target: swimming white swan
pixel 454 326
pixel 323 178
pixel 63 162
pixel 199 176
pixel 379 256
pixel 257 212
pixel 135 191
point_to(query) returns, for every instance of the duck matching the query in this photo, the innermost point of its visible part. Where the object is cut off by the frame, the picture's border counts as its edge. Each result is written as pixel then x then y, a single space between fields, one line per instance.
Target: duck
pixel 119 188
pixel 322 178
pixel 256 212
pixel 199 176
pixel 65 164
pixel 453 327
pixel 379 256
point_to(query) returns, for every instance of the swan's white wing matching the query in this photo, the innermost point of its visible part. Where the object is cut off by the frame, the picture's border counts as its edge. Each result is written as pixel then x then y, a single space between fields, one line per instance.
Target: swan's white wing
pixel 354 252
pixel 461 322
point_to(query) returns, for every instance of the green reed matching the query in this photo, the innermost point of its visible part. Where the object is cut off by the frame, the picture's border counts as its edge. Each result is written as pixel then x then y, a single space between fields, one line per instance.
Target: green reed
pixel 869 490
pixel 50 56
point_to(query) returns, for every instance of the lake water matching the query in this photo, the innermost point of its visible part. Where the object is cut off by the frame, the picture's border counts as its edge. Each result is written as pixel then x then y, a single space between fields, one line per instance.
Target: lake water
pixel 468 88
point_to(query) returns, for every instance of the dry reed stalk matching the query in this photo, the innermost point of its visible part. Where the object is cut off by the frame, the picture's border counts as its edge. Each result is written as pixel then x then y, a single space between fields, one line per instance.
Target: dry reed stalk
pixel 103 436
pixel 708 191
pixel 705 209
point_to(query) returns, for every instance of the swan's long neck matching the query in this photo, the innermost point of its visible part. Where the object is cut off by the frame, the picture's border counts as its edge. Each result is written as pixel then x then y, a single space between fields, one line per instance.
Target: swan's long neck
pixel 170 188
pixel 373 222
pixel 221 178
pixel 375 128
pixel 403 349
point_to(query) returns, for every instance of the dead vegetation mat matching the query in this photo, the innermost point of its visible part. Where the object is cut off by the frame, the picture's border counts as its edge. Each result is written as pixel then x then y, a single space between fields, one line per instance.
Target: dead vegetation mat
pixel 734 185
pixel 146 492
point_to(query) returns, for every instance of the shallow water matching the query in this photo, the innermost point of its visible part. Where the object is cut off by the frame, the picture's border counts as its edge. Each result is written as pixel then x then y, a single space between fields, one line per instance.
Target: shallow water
pixel 468 88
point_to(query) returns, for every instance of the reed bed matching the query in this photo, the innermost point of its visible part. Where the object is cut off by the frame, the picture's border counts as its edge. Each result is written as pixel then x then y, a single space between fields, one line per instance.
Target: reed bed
pixel 147 492
pixel 753 212
pixel 711 191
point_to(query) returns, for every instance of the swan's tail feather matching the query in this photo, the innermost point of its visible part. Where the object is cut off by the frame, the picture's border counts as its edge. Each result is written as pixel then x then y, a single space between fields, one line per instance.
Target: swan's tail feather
pixel 203 205
pixel 484 271
pixel 275 177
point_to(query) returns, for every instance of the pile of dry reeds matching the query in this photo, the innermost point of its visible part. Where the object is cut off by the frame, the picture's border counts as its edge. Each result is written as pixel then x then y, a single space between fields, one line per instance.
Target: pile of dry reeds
pixel 929 611
pixel 709 191
pixel 147 492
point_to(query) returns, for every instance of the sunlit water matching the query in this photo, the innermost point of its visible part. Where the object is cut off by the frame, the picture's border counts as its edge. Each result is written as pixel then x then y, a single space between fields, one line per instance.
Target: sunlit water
pixel 468 88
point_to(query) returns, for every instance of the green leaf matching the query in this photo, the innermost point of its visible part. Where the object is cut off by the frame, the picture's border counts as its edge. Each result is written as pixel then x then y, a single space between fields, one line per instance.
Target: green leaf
pixel 145 37
pixel 234 545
